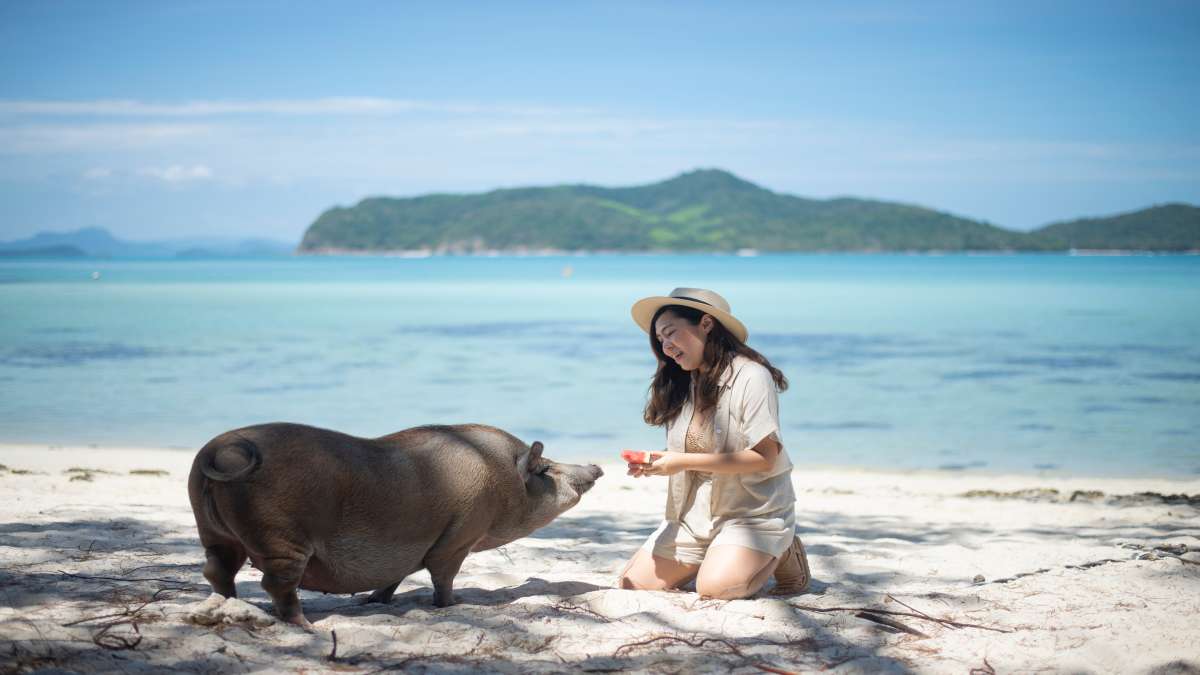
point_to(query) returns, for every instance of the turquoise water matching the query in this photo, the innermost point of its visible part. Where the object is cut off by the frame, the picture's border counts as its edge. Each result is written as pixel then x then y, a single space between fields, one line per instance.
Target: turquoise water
pixel 1086 365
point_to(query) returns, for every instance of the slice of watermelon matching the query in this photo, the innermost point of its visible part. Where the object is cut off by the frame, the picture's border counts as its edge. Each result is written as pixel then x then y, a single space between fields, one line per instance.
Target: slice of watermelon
pixel 636 456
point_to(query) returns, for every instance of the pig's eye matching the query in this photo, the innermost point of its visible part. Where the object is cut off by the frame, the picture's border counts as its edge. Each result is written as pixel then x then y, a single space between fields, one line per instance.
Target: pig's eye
pixel 544 470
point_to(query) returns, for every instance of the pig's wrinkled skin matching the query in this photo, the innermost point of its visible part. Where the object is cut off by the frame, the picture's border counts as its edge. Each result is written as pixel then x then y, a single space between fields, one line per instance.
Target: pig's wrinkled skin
pixel 324 511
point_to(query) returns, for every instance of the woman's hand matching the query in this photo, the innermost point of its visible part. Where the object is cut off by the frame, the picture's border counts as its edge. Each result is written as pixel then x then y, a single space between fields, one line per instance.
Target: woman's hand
pixel 633 460
pixel 663 464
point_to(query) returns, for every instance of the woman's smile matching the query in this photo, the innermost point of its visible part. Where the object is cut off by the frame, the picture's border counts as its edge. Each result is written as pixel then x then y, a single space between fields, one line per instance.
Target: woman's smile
pixel 681 341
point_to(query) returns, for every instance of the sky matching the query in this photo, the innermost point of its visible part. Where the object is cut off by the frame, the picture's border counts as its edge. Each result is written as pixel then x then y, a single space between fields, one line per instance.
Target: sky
pixel 168 119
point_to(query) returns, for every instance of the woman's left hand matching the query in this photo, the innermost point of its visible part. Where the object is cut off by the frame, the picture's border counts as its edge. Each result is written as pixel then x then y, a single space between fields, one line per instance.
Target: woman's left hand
pixel 665 464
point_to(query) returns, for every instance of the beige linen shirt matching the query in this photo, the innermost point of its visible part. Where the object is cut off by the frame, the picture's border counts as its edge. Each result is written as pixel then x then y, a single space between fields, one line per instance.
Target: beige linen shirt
pixel 747 412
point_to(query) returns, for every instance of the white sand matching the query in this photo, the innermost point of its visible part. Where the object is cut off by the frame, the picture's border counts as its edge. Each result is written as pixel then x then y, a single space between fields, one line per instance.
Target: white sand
pixel 121 551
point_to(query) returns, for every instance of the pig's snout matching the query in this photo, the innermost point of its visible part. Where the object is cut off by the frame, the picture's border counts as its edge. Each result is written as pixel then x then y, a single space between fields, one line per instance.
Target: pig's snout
pixel 582 478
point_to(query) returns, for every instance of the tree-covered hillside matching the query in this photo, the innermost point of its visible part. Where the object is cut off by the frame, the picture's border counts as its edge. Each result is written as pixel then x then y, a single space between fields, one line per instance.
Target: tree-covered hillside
pixel 1170 227
pixel 703 210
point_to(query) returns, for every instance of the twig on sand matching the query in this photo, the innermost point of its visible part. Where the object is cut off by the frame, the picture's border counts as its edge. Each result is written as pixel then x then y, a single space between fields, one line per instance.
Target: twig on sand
pixel 333 652
pixel 987 669
pixel 130 615
pixel 565 606
pixel 874 610
pixel 85 555
pixel 894 599
pixel 731 648
pixel 87 577
pixel 107 640
pixel 179 584
pixel 890 623
pixel 134 613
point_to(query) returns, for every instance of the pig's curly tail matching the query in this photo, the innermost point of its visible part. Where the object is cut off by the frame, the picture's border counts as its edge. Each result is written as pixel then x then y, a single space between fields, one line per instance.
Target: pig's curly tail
pixel 251 459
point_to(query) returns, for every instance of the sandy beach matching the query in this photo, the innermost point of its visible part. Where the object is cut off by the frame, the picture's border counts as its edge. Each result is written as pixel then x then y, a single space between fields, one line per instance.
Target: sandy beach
pixel 100 571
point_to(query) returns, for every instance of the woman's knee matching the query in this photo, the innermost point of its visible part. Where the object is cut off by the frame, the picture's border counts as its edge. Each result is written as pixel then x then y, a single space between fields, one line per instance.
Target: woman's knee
pixel 724 588
pixel 733 572
pixel 633 578
pixel 634 583
pixel 639 576
pixel 646 572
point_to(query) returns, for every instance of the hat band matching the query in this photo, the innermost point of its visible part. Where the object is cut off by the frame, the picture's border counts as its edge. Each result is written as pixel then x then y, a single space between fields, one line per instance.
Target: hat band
pixel 684 297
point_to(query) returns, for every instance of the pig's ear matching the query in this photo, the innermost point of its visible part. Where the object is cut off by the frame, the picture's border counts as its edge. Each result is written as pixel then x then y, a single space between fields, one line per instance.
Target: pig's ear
pixel 531 461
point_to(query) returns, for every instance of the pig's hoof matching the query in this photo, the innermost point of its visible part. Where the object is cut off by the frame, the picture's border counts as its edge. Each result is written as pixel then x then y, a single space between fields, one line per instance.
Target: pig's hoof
pixel 302 622
pixel 383 595
pixel 378 597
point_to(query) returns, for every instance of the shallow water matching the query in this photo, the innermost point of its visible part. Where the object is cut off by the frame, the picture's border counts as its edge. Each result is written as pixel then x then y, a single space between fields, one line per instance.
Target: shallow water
pixel 1013 363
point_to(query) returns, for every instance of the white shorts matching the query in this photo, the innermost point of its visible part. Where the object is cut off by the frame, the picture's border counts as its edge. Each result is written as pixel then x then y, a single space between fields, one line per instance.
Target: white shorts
pixel 676 541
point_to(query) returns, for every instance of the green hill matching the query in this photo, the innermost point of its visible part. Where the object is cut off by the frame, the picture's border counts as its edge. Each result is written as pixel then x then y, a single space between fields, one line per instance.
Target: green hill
pixel 703 210
pixel 1170 227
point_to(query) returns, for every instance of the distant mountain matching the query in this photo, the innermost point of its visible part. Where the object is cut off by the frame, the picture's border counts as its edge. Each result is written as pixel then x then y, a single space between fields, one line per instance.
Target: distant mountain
pixel 702 210
pixel 1170 227
pixel 709 210
pixel 225 248
pixel 92 241
pixel 100 243
pixel 57 251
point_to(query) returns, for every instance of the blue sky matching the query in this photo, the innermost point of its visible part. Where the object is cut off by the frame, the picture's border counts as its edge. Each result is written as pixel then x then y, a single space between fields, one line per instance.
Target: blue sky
pixel 163 119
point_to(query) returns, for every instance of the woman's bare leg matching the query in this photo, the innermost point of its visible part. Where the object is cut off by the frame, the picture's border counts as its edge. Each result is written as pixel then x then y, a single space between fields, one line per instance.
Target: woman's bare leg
pixel 730 572
pixel 648 572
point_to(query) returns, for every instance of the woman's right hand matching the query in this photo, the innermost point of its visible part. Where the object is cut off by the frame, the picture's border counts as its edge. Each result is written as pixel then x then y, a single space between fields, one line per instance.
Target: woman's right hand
pixel 665 464
pixel 637 469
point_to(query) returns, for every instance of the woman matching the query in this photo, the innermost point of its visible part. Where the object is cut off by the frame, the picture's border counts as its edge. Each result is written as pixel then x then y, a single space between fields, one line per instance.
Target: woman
pixel 730 517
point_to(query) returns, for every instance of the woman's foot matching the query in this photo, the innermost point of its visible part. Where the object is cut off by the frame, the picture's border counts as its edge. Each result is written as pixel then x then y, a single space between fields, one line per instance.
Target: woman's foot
pixel 792 575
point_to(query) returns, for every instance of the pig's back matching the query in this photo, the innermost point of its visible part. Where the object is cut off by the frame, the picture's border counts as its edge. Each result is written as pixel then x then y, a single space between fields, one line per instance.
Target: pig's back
pixel 470 457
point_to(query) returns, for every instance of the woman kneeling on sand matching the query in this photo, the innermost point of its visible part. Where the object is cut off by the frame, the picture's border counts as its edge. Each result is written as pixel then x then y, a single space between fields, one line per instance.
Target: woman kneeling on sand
pixel 730 518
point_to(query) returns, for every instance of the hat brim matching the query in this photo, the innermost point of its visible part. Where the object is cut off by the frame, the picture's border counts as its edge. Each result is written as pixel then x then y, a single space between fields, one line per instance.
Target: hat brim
pixel 644 309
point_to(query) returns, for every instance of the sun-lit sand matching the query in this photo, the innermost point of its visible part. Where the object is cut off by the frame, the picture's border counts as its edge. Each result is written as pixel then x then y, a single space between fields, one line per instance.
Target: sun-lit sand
pixel 100 570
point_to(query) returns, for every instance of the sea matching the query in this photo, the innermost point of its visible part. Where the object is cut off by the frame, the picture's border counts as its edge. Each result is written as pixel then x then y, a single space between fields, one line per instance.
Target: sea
pixel 1038 364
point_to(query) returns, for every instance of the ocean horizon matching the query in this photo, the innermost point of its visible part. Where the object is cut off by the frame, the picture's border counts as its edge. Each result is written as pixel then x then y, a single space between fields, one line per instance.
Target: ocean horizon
pixel 1076 364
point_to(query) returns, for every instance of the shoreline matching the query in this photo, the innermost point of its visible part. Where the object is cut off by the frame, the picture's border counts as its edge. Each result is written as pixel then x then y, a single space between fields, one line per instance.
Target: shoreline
pixel 738 253
pixel 981 473
pixel 423 254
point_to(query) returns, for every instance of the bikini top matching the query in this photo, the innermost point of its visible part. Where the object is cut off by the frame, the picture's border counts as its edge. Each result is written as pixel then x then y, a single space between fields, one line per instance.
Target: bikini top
pixel 699 436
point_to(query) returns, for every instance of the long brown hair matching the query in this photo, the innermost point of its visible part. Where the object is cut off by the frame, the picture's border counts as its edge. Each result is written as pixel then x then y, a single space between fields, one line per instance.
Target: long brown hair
pixel 670 385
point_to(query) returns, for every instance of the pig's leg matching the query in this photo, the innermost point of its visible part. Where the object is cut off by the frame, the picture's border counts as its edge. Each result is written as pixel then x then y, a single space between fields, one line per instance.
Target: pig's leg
pixel 222 565
pixel 384 595
pixel 281 577
pixel 443 566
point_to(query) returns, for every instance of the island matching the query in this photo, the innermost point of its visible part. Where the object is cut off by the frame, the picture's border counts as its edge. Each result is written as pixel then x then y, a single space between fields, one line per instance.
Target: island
pixel 708 210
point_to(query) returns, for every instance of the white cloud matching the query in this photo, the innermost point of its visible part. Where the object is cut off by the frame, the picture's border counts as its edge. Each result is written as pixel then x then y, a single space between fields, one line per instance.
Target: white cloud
pixel 357 105
pixel 52 138
pixel 177 173
pixel 97 173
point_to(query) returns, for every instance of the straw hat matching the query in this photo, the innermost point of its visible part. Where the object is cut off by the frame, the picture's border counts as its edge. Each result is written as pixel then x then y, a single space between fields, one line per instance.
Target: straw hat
pixel 704 300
